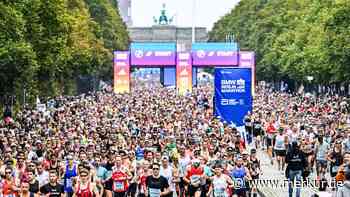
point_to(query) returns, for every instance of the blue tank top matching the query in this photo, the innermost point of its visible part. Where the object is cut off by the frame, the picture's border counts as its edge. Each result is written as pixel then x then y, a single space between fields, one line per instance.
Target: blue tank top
pixel 69 174
pixel 238 175
pixel 139 153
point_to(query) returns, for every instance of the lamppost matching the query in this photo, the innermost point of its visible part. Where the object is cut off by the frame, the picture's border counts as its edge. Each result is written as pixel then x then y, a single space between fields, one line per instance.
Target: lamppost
pixel 309 79
pixel 193 21
pixel 24 95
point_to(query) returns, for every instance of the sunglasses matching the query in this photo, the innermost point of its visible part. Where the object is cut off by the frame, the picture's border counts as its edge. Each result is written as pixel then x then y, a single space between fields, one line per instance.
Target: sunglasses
pixel 8 172
pixel 155 168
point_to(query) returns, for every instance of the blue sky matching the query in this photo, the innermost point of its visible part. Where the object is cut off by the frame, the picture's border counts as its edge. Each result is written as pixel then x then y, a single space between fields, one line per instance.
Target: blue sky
pixel 207 11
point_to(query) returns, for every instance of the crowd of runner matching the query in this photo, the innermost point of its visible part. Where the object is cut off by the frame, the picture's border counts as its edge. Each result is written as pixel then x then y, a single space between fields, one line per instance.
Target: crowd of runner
pixel 154 143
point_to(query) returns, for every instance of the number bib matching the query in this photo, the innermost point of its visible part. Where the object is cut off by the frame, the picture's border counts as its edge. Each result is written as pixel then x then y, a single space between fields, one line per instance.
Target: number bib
pixel 154 192
pixel 69 183
pixel 195 180
pixel 118 186
pixel 219 192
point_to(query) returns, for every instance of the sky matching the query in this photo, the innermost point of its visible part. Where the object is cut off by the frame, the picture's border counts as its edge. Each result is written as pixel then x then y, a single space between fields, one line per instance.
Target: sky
pixel 207 11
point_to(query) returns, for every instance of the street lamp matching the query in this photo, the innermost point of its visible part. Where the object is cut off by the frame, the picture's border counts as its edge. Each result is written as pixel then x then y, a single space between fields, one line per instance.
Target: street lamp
pixel 193 21
pixel 310 79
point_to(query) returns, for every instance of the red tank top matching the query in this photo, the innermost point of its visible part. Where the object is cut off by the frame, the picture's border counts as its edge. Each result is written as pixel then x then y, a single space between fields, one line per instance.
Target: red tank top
pixel 120 182
pixel 195 171
pixel 7 189
pixel 84 192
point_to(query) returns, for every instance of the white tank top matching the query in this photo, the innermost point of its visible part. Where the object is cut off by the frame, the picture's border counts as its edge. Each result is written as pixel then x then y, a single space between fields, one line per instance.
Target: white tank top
pixel 279 145
pixel 168 174
pixel 220 186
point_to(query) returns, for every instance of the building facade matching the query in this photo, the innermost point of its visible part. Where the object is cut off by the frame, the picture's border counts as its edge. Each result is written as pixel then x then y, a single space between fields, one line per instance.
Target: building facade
pixel 182 36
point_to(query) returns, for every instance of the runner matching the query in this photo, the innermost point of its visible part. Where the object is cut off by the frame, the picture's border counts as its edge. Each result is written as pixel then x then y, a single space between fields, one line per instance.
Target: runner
pixel 84 187
pixel 70 172
pixel 120 178
pixel 220 183
pixel 193 177
pixel 321 150
pixel 240 175
pixel 156 184
pixel 280 149
pixel 8 184
pixel 53 188
pixel 24 192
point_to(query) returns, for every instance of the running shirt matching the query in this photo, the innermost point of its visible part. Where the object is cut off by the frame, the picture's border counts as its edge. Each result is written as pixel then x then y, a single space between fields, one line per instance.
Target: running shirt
pixel 220 186
pixel 321 154
pixel 238 174
pixel 84 192
pixel 69 174
pixel 120 183
pixel 139 153
pixel 194 175
pixel 7 189
pixel 183 163
pixel 156 185
pixel 54 191
pixel 280 142
pixel 168 174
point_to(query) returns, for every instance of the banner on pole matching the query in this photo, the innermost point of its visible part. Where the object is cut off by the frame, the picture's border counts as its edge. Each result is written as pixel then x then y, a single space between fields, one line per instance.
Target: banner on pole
pixel 121 71
pixel 247 60
pixel 233 98
pixel 184 73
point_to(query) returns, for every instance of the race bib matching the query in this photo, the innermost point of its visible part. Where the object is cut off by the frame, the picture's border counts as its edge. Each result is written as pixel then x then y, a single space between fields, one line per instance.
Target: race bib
pixel 195 180
pixel 118 186
pixel 154 192
pixel 219 192
pixel 69 183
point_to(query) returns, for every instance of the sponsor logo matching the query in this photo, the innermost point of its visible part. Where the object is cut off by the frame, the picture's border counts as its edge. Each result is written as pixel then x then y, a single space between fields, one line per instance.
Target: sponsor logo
pixel 184 56
pixel 183 64
pixel 211 53
pixel 200 53
pixel 184 72
pixel 162 53
pixel 121 64
pixel 121 56
pixel 138 53
pixel 245 64
pixel 122 72
pixel 246 56
pixel 224 53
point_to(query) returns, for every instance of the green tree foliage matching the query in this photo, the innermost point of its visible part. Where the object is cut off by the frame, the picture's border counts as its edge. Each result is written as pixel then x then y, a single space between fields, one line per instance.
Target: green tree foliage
pixel 292 38
pixel 46 44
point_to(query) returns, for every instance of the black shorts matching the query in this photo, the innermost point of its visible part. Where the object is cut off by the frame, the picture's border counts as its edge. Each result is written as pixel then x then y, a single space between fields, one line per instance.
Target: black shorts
pixel 281 153
pixel 108 185
pixel 309 154
pixel 270 141
pixel 239 192
pixel 256 132
pixel 321 164
pixel 192 190
pixel 119 194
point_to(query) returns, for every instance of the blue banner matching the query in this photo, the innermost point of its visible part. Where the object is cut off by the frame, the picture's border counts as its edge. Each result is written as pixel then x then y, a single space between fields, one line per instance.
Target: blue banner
pixel 233 98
